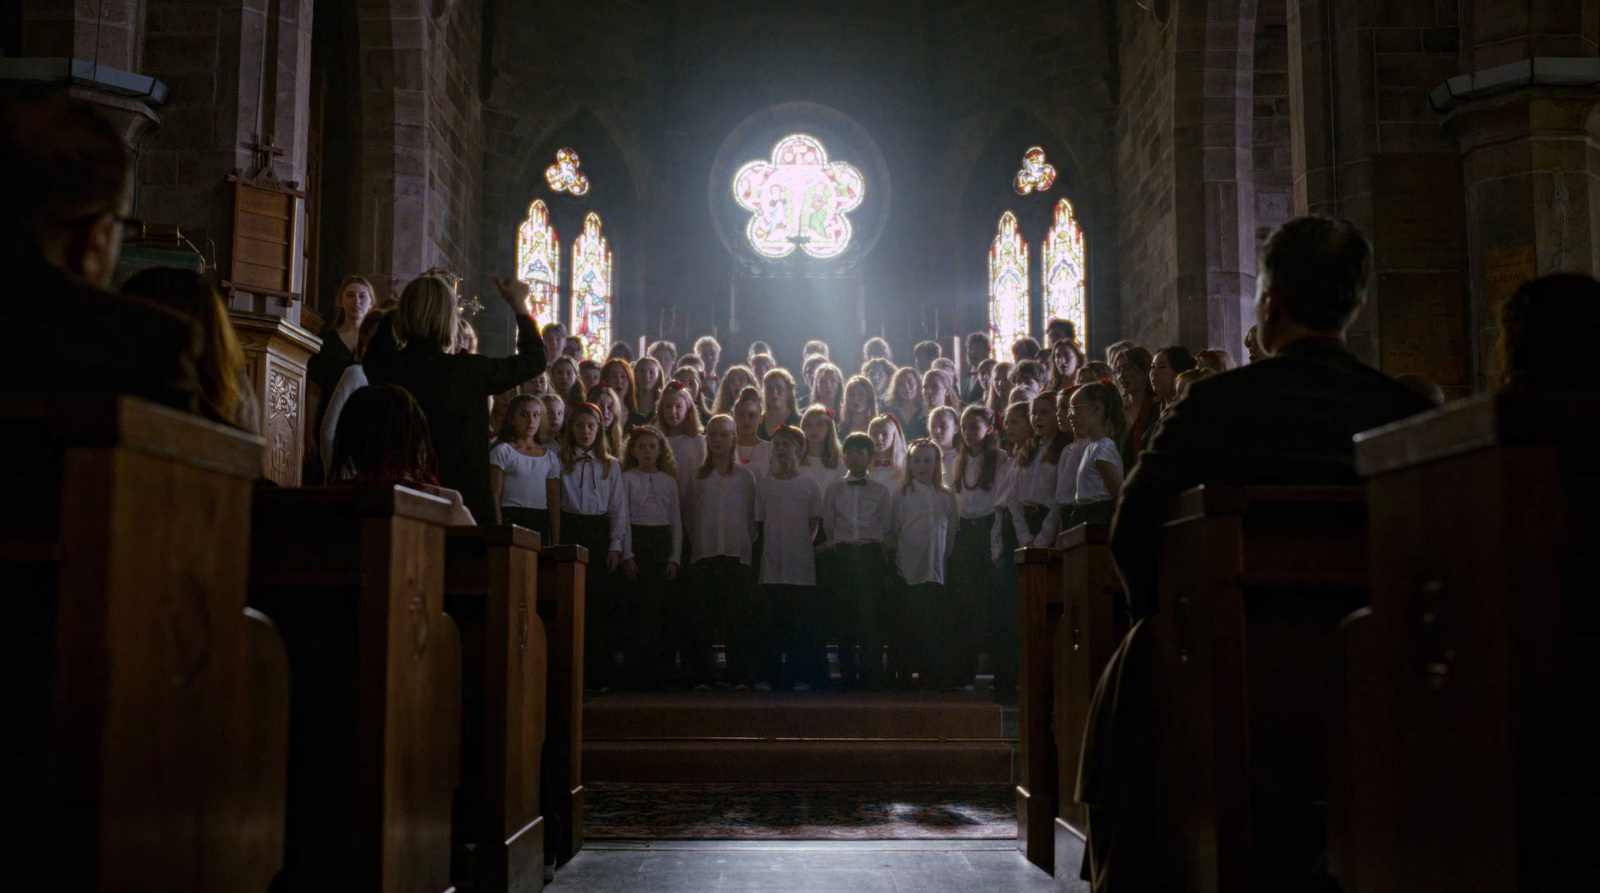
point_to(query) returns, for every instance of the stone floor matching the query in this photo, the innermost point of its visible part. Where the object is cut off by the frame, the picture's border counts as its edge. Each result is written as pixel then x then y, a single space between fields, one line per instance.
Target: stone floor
pixel 944 866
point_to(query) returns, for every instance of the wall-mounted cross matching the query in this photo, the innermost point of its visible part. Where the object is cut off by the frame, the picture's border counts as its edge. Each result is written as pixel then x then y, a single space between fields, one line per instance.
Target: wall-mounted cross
pixel 265 150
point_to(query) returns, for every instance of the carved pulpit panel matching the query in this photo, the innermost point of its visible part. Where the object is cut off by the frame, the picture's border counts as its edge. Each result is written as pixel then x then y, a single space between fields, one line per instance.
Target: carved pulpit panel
pixel 277 352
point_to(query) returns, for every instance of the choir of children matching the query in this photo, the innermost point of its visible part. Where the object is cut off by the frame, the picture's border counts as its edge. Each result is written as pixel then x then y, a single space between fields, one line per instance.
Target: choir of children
pixel 876 510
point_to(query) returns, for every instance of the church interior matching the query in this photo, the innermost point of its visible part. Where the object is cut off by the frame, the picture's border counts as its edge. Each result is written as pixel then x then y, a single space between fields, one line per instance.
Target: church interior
pixel 668 445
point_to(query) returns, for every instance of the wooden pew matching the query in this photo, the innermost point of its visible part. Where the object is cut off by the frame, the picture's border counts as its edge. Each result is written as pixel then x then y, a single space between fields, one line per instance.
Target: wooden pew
pixel 1474 716
pixel 1254 582
pixel 145 707
pixel 561 601
pixel 1093 620
pixel 354 578
pixel 1038 606
pixel 491 588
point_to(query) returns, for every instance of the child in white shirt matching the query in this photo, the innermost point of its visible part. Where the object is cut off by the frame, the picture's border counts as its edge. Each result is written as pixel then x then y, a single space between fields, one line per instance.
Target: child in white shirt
pixel 1098 418
pixel 595 516
pixel 650 555
pixel 721 515
pixel 923 534
pixel 525 477
pixel 788 514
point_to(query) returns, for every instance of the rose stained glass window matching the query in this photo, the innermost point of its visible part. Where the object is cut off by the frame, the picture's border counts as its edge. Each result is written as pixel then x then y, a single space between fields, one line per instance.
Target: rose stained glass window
pixel 799 199
pixel 1008 285
pixel 1063 262
pixel 592 292
pixel 566 174
pixel 539 263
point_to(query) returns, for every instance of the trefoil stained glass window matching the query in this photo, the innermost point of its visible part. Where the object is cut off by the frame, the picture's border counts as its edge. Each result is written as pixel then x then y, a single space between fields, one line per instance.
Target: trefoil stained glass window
pixel 566 175
pixel 1008 285
pixel 1063 262
pixel 592 290
pixel 799 198
pixel 1036 175
pixel 539 263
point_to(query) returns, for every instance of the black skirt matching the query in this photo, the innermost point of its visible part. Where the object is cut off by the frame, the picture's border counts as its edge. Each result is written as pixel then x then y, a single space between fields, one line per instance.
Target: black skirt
pixel 536 520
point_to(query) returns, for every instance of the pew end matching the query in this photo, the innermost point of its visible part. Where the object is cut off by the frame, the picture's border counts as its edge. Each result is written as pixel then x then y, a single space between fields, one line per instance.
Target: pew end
pixel 147 702
pixel 561 607
pixel 354 579
pixel 491 589
pixel 1038 606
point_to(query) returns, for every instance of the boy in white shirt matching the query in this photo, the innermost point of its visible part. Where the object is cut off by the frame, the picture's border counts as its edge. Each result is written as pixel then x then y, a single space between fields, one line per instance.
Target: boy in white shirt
pixel 788 512
pixel 855 524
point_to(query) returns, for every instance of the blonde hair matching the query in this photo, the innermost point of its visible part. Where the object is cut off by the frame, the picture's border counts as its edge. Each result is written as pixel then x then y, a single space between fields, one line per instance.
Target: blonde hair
pixel 619 413
pixel 691 419
pixel 727 393
pixel 938 467
pixel 846 421
pixel 836 406
pixel 708 464
pixel 955 424
pixel 665 462
pixel 427 314
pixel 782 374
pixel 897 453
pixel 830 447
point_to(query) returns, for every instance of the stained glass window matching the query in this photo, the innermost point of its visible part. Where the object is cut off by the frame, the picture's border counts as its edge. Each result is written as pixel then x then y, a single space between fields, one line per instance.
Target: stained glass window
pixel 592 289
pixel 1064 270
pixel 1008 286
pixel 799 198
pixel 539 263
pixel 565 175
pixel 1035 173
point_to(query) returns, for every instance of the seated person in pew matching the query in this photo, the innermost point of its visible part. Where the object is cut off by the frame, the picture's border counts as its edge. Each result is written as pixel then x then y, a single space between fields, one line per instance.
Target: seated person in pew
pixel 383 439
pixel 65 174
pixel 225 392
pixel 1544 329
pixel 525 475
pixel 1288 419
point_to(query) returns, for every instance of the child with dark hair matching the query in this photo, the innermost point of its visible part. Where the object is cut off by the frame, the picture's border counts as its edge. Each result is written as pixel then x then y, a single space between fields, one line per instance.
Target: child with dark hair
pixel 876 348
pixel 923 355
pixel 788 512
pixel 1098 419
pixel 383 439
pixel 595 516
pixel 855 524
pixel 1025 348
pixel 1544 329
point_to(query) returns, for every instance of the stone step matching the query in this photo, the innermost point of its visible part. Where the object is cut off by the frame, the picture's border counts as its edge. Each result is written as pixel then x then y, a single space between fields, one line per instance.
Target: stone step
pixel 807 715
pixel 798 761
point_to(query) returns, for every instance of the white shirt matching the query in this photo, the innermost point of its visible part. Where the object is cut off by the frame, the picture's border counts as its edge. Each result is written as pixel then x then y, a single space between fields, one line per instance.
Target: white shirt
pixel 822 474
pixel 594 487
pixel 856 512
pixel 1067 474
pixel 1035 485
pixel 757 459
pixel 688 451
pixel 887 474
pixel 785 510
pixel 652 502
pixel 722 514
pixel 353 379
pixel 1091 486
pixel 950 456
pixel 522 477
pixel 973 502
pixel 924 524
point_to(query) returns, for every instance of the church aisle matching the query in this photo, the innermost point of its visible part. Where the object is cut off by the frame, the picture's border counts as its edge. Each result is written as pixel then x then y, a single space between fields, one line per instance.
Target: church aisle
pixel 771 867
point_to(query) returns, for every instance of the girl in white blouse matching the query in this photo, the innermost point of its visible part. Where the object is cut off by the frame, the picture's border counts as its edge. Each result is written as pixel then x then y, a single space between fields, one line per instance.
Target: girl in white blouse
pixel 923 535
pixel 750 450
pixel 944 429
pixel 1067 465
pixel 721 519
pixel 593 515
pixel 680 422
pixel 821 461
pixel 1033 492
pixel 651 555
pixel 980 472
pixel 1098 418
pixel 525 477
pixel 786 615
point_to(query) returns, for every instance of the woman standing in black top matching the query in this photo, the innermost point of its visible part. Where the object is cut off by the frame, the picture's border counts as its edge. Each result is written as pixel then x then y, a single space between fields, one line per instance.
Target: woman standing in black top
pixel 410 351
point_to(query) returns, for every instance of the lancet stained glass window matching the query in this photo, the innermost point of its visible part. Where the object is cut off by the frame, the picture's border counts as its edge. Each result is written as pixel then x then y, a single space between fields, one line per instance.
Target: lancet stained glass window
pixel 592 289
pixel 799 199
pixel 1063 261
pixel 539 263
pixel 1008 286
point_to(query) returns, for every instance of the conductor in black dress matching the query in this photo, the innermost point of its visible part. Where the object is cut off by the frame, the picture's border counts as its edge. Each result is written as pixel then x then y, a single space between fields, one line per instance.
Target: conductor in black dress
pixel 412 350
